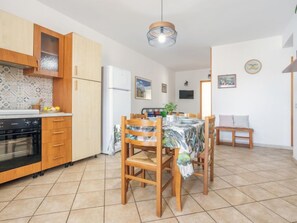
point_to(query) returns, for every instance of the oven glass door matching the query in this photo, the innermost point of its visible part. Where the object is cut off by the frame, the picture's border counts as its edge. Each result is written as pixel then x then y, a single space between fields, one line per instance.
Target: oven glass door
pixel 19 148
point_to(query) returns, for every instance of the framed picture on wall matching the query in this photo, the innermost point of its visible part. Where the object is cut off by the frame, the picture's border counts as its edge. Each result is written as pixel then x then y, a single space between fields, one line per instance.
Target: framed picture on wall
pixel 164 88
pixel 227 81
pixel 143 88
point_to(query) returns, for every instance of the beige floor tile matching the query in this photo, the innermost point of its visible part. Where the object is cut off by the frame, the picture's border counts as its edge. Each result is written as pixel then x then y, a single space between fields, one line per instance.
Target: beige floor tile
pixel 114 183
pixel 64 188
pixel 91 185
pixel 89 200
pixel 111 166
pixel 122 213
pixel 93 175
pixel 7 194
pixel 147 210
pixel 19 220
pixel 33 191
pixel 96 167
pixel 270 175
pixel 45 180
pixel 3 204
pixel 236 169
pixel 189 205
pixel 256 192
pixel 20 208
pixel 193 186
pixel 218 183
pixel 253 178
pixel 90 215
pixel 75 168
pixel 114 197
pixel 168 220
pixel 234 196
pixel 168 191
pixel 98 160
pixel 22 182
pixel 142 194
pixel 210 201
pixel 259 213
pixel 55 204
pixel 220 171
pixel 50 218
pixel 291 200
pixel 235 180
pixel 196 218
pixel 228 215
pixel 113 173
pixel 290 184
pixel 277 189
pixel 282 208
pixel 70 177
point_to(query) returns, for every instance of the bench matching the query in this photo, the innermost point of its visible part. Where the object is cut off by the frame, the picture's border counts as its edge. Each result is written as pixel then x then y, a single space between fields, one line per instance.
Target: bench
pixel 233 130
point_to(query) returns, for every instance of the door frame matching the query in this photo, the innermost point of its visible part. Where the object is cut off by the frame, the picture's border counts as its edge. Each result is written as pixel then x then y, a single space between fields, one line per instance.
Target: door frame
pixel 201 82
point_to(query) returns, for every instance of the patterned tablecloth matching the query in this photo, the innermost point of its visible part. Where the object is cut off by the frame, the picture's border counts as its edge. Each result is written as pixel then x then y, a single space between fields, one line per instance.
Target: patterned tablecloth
pixel 185 134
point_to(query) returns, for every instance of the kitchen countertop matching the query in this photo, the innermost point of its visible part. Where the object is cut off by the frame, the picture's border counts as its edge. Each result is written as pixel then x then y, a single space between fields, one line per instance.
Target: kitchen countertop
pixel 40 115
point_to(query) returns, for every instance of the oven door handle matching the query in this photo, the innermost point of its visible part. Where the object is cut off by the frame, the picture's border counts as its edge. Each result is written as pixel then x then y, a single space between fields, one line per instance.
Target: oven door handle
pixel 21 133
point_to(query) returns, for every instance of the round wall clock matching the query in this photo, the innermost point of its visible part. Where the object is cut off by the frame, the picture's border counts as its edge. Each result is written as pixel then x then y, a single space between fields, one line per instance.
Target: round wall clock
pixel 253 66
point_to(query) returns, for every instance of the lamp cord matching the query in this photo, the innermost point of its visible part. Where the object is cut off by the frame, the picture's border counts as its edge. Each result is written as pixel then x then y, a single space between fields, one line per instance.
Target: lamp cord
pixel 161 10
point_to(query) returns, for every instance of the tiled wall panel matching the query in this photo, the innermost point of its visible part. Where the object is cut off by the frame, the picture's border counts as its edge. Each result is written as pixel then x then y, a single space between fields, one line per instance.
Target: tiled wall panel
pixel 18 91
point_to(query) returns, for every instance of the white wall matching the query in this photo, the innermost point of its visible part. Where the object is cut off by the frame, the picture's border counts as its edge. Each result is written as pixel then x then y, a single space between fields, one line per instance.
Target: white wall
pixel 291 30
pixel 265 96
pixel 193 77
pixel 113 52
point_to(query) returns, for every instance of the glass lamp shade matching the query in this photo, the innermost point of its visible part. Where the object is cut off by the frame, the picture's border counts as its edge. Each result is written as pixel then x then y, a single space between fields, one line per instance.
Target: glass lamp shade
pixel 162 34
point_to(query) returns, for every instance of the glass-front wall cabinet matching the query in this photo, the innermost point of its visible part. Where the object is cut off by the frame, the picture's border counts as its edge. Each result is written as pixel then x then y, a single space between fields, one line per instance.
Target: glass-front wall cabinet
pixel 48 50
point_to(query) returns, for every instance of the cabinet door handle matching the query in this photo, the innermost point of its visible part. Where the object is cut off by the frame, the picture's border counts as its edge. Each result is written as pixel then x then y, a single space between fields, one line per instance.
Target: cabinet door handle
pixel 58 157
pixel 58 145
pixel 75 70
pixel 37 61
pixel 75 85
pixel 56 133
pixel 58 120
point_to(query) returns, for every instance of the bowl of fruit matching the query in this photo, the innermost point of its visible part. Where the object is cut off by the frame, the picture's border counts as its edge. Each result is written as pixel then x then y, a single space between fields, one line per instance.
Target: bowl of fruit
pixel 51 109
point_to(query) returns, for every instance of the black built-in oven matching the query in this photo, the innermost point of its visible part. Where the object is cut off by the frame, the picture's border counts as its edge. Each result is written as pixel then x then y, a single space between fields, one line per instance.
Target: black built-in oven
pixel 20 142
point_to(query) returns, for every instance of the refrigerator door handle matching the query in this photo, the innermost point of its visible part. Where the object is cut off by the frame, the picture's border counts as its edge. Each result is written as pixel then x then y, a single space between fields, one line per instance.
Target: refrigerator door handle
pixel 121 89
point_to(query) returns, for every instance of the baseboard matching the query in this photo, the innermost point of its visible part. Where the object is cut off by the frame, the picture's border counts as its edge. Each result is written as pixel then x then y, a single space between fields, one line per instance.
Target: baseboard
pixel 261 145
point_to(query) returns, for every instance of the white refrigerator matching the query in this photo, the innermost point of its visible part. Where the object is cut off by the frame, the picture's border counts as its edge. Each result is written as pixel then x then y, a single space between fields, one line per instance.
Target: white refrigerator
pixel 116 103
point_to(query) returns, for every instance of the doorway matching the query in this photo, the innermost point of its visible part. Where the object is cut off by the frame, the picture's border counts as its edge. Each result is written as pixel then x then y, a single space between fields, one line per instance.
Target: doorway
pixel 205 98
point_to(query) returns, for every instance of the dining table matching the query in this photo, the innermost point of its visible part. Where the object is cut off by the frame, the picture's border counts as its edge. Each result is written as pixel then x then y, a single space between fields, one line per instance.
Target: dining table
pixel 185 136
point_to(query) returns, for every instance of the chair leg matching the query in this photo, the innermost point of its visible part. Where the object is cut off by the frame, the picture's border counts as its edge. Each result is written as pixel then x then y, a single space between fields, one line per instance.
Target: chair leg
pixel 205 177
pixel 159 192
pixel 212 166
pixel 124 186
pixel 143 177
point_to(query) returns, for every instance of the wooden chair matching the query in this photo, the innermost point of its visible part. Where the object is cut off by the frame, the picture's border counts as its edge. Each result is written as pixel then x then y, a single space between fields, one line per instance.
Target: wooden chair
pixel 206 157
pixel 192 115
pixel 144 160
pixel 141 116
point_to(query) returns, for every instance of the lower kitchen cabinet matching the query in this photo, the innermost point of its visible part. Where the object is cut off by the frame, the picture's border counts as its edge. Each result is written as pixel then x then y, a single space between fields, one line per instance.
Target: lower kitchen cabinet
pixel 56 141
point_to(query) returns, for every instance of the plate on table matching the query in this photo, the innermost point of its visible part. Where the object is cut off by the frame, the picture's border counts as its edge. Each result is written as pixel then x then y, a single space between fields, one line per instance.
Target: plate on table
pixel 188 121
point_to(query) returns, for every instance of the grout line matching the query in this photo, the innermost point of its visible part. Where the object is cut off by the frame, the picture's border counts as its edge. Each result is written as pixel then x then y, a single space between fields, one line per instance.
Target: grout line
pixel 76 191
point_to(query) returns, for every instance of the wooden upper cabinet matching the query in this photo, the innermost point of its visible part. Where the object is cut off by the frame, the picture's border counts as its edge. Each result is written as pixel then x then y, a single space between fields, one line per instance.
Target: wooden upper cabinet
pixel 16 34
pixel 86 58
pixel 49 51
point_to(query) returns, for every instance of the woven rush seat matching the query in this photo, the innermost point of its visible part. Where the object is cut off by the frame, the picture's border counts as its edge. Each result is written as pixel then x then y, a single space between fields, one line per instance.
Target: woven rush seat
pixel 147 158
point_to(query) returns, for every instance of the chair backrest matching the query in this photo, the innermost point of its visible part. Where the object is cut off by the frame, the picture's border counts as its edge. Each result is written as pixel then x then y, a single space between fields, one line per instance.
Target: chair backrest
pixel 209 131
pixel 141 116
pixel 142 132
pixel 192 115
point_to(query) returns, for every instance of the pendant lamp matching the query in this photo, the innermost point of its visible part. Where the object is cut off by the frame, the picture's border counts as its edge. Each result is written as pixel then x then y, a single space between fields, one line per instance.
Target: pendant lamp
pixel 161 33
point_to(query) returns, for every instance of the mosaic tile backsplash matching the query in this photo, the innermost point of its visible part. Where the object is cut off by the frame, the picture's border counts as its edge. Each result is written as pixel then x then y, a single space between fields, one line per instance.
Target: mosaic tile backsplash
pixel 18 91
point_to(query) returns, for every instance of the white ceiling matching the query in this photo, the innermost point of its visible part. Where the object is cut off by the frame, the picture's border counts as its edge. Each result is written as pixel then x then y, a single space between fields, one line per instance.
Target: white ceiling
pixel 200 24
